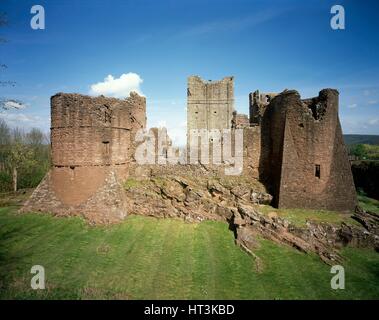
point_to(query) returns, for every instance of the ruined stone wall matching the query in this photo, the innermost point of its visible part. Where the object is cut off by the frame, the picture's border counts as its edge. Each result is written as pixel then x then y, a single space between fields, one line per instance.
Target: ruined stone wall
pixel 308 162
pixel 92 143
pixel 257 105
pixel 210 104
pixel 240 120
pixel 88 131
pixel 252 151
pixel 293 146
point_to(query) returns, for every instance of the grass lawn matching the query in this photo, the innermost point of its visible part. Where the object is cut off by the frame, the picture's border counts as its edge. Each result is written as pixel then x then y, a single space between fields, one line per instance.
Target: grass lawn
pixel 147 258
pixel 299 217
pixel 368 204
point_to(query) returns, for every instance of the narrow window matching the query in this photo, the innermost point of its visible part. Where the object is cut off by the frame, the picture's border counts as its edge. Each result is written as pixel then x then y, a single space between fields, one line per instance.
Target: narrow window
pixel 72 172
pixel 317 171
pixel 106 148
pixel 107 117
pixel 107 113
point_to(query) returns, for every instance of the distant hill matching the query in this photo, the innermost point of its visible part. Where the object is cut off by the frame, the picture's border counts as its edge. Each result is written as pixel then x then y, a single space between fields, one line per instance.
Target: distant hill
pixel 351 139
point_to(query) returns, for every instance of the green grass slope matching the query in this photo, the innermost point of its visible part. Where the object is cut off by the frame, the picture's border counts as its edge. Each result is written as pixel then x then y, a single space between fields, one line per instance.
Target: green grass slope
pixel 368 204
pixel 146 258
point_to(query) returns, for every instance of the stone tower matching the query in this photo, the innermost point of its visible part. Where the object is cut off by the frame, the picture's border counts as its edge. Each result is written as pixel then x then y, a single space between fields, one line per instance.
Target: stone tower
pixel 210 104
pixel 306 161
pixel 92 146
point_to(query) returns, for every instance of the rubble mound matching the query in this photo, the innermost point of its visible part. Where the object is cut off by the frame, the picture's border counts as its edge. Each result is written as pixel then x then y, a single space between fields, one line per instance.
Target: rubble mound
pixel 191 197
pixel 238 201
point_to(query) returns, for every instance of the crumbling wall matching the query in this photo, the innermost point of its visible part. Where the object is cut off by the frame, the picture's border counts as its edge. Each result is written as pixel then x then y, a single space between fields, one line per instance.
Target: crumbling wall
pixel 252 151
pixel 308 162
pixel 240 120
pixel 92 143
pixel 257 105
pixel 294 146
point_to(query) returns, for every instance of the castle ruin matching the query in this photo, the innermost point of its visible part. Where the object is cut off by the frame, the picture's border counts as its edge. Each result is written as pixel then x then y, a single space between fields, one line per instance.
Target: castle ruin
pixel 293 146
pixel 92 146
pixel 210 104
pixel 304 161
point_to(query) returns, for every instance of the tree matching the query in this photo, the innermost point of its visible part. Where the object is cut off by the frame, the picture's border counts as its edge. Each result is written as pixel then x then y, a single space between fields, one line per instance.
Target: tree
pixel 24 157
pixel 4 134
pixel 359 151
pixel 21 155
pixel 4 144
pixel 39 143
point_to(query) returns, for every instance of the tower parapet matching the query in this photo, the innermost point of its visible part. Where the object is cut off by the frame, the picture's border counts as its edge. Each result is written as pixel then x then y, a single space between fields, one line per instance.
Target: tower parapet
pixel 210 104
pixel 92 146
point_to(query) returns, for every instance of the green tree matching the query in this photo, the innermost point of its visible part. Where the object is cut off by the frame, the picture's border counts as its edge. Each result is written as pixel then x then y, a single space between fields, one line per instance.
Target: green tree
pixel 5 178
pixel 20 156
pixel 359 151
pixel 24 157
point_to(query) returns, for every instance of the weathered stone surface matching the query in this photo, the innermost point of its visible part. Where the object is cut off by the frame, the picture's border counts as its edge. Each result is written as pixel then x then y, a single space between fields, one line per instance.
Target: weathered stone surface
pixel 92 142
pixel 368 219
pixel 241 192
pixel 260 198
pixel 305 160
pixel 294 146
pixel 210 104
pixel 240 120
pixel 215 199
pixel 194 196
pixel 321 238
pixel 106 205
pixel 216 189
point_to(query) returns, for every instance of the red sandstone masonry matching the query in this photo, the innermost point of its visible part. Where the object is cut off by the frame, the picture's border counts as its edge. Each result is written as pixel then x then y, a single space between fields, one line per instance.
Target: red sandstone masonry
pixel 308 163
pixel 92 142
pixel 294 146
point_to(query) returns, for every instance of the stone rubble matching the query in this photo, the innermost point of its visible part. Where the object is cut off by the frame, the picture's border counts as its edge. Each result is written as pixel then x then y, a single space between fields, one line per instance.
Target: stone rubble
pixel 199 199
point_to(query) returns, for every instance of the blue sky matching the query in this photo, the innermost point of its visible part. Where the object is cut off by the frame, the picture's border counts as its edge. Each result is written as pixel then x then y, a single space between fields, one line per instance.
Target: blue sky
pixel 269 45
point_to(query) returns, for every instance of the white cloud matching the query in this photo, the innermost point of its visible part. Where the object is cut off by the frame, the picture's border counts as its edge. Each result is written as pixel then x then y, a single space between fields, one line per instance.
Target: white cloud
pixel 12 104
pixel 352 106
pixel 371 102
pixel 118 87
